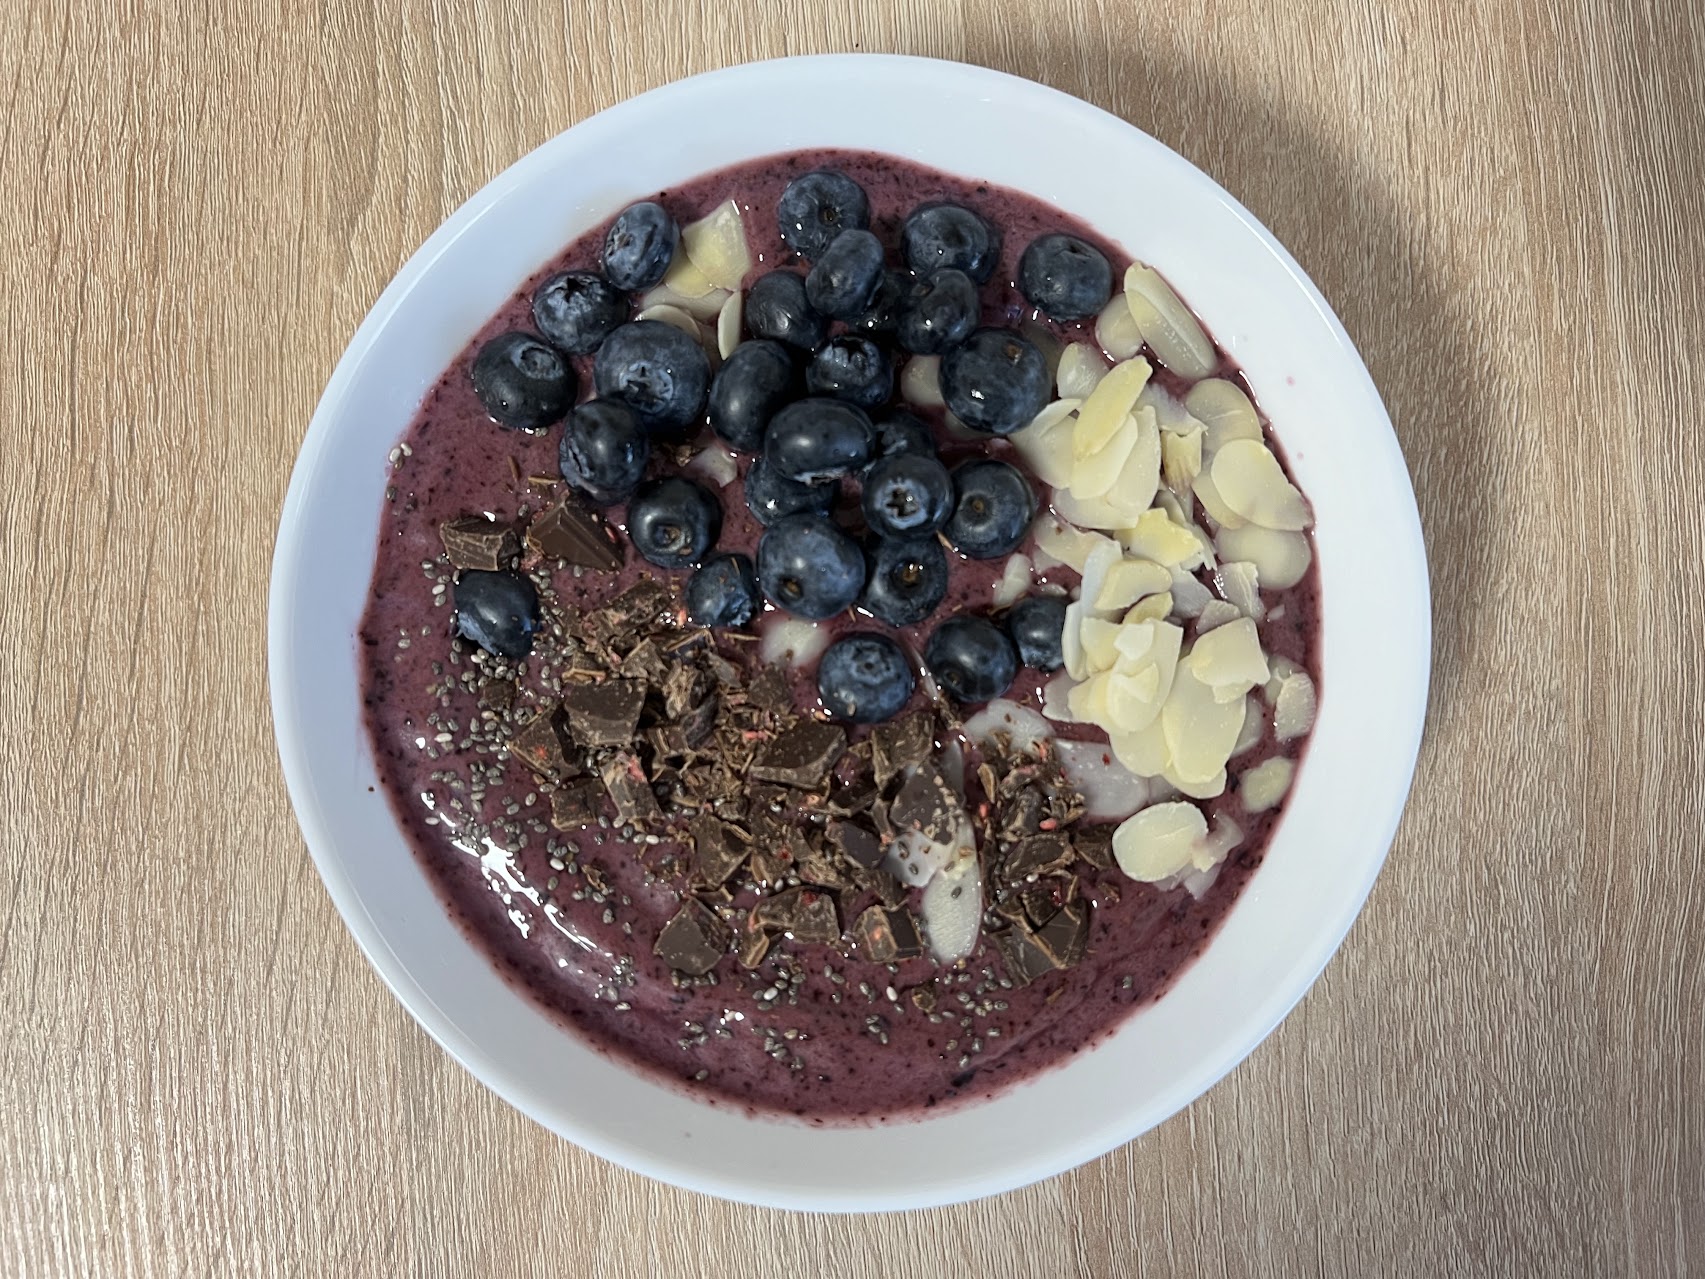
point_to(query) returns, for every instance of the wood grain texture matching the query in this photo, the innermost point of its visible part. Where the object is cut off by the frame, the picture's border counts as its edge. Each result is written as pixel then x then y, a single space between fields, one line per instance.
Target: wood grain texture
pixel 1502 1073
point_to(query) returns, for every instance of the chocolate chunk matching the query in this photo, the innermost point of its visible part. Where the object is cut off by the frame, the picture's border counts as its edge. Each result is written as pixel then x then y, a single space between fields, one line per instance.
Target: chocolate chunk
pixel 889 890
pixel 604 714
pixel 804 914
pixel 849 796
pixel 694 940
pixel 476 542
pixel 1095 844
pixel 630 789
pixel 684 688
pixel 645 662
pixel 1036 855
pixel 639 608
pixel 927 803
pixel 886 936
pixel 801 756
pixel 497 695
pixel 818 865
pixel 1020 815
pixel 769 690
pixel 1065 937
pixel 718 849
pixel 577 805
pixel 726 672
pixel 901 744
pixel 857 842
pixel 543 745
pixel 676 645
pixel 753 945
pixel 1041 901
pixel 1025 961
pixel 767 867
pixel 570 532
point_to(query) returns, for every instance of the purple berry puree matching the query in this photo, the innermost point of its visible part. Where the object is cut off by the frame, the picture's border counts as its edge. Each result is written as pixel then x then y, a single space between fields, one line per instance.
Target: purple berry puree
pixel 571 918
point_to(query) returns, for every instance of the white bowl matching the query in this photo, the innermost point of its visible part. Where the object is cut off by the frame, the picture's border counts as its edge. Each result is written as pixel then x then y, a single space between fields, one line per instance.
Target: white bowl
pixel 1308 378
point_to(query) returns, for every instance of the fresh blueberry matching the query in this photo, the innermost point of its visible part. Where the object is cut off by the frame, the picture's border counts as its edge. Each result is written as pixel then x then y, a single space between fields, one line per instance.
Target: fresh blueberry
pixel 577 310
pixel 1065 277
pixel 809 567
pixel 637 250
pixel 847 276
pixel 882 316
pixel 522 382
pixel 938 312
pixel 900 432
pixel 996 382
pixel 776 308
pixel 949 235
pixel 1036 623
pixel 908 495
pixel 906 580
pixel 658 372
pixel 992 506
pixel 818 439
pixel 603 451
pixel 497 611
pixel 771 496
pixel 971 658
pixel 673 522
pixel 864 678
pixel 818 206
pixel 853 369
pixel 723 591
pixel 754 381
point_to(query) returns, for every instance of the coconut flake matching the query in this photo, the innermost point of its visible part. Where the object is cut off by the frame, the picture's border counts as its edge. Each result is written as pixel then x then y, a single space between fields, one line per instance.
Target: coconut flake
pixel 1110 790
pixel 1023 727
pixel 715 464
pixel 792 640
pixel 920 382
pixel 951 909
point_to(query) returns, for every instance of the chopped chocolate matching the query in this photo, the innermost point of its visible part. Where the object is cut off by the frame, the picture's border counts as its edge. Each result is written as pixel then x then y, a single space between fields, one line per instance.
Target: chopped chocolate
pixel 768 690
pixel 885 936
pixel 604 714
pixel 696 724
pixel 577 805
pixel 543 745
pixel 1041 901
pixel 926 803
pixel 857 842
pixel 753 945
pixel 901 744
pixel 497 695
pixel 923 999
pixel 726 672
pixel 801 756
pixel 1025 961
pixel 568 531
pixel 476 542
pixel 1095 844
pixel 694 940
pixel 679 644
pixel 684 689
pixel 639 608
pixel 805 914
pixel 718 849
pixel 645 662
pixel 849 796
pixel 820 866
pixel 630 789
pixel 1065 937
pixel 768 867
pixel 1036 855
pixel 889 890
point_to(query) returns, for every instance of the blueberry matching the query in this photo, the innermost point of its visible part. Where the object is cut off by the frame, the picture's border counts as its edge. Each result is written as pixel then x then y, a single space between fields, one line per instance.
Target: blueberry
pixel 847 276
pixel 949 235
pixel 673 522
pixel 971 658
pixel 908 495
pixel 938 312
pixel 992 506
pixel 818 206
pixel 523 383
pixel 1036 623
pixel 906 580
pixel 818 439
pixel 603 451
pixel 723 591
pixel 864 678
pixel 753 382
pixel 1065 277
pixel 639 246
pixel 900 432
pixel 771 496
pixel 882 316
pixel 577 310
pixel 776 308
pixel 809 567
pixel 996 382
pixel 853 369
pixel 497 611
pixel 658 372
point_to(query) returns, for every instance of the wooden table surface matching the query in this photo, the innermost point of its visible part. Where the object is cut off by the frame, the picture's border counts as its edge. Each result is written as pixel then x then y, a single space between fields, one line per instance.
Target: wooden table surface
pixel 1503 1071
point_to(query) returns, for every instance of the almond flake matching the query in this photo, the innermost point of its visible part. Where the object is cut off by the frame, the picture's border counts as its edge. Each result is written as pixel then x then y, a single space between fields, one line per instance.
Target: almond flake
pixel 728 324
pixel 1116 329
pixel 1252 483
pixel 704 307
pixel 1014 582
pixel 1156 537
pixel 1159 841
pixel 1229 660
pixel 1166 324
pixel 1105 409
pixel 1214 504
pixel 1200 729
pixel 1152 608
pixel 674 317
pixel 716 245
pixel 1294 707
pixel 1128 581
pixel 1266 784
pixel 1240 583
pixel 1081 368
pixel 686 280
pixel 1225 410
pixel 1065 544
pixel 1181 459
pixel 920 382
pixel 1281 558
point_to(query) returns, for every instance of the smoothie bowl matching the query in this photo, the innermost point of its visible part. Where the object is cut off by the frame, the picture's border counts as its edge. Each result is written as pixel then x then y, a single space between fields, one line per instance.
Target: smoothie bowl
pixel 849 662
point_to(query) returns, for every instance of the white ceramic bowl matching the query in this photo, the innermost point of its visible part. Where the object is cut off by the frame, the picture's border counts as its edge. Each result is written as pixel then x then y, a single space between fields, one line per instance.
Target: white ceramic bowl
pixel 1307 377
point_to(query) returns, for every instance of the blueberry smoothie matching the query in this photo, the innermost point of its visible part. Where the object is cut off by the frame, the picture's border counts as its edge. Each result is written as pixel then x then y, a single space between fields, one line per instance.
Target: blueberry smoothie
pixel 841 637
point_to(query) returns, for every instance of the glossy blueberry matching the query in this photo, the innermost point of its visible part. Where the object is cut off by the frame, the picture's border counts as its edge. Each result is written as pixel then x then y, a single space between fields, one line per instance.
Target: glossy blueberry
pixel 497 611
pixel 818 439
pixel 996 382
pixel 882 316
pixel 771 496
pixel 992 506
pixel 938 312
pixel 523 383
pixel 818 206
pixel 776 308
pixel 1064 277
pixel 673 522
pixel 809 567
pixel 971 658
pixel 577 310
pixel 752 384
pixel 900 432
pixel 847 276
pixel 949 235
pixel 908 495
pixel 603 451
pixel 853 369
pixel 723 591
pixel 905 581
pixel 864 678
pixel 639 245
pixel 658 372
pixel 1036 623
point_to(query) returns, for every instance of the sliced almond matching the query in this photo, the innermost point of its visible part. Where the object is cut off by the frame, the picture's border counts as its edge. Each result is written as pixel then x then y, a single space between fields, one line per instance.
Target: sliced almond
pixel 1216 614
pixel 1168 501
pixel 1240 583
pixel 1151 608
pixel 1100 643
pixel 1095 569
pixel 1294 708
pixel 1094 474
pixel 1116 329
pixel 1225 410
pixel 1128 581
pixel 1189 597
pixel 1046 444
pixel 1156 537
pixel 1143 751
pixel 728 324
pixel 920 382
pixel 1205 789
pixel 1266 784
pixel 1252 483
pixel 686 280
pixel 1092 512
pixel 1014 582
pixel 1229 660
pixel 716 245
pixel 1282 668
pixel 1280 558
pixel 1172 333
pixel 1066 544
pixel 1081 368
pixel 1200 729
pixel 1134 487
pixel 674 317
pixel 1181 459
pixel 1159 841
pixel 1214 504
pixel 704 307
pixel 1105 409
pixel 1071 641
pixel 1056 694
pixel 715 464
pixel 1254 727
pixel 1169 411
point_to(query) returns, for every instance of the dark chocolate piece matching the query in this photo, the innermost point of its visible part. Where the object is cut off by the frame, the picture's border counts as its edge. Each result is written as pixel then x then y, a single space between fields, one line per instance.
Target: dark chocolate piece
pixel 1095 844
pixel 805 914
pixel 1036 855
pixel 769 691
pixel 753 945
pixel 927 803
pixel 1025 961
pixel 1040 902
pixel 684 688
pixel 639 608
pixel 886 936
pixel 577 805
pixel 497 695
pixel 476 542
pixel 630 789
pixel 694 940
pixel 818 865
pixel 543 744
pixel 645 662
pixel 568 531
pixel 1065 937
pixel 801 756
pixel 901 744
pixel 604 714
pixel 718 849
pixel 857 842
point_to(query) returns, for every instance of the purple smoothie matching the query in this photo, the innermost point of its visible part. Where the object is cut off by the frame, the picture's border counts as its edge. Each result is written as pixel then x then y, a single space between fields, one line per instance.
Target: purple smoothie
pixel 571 918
